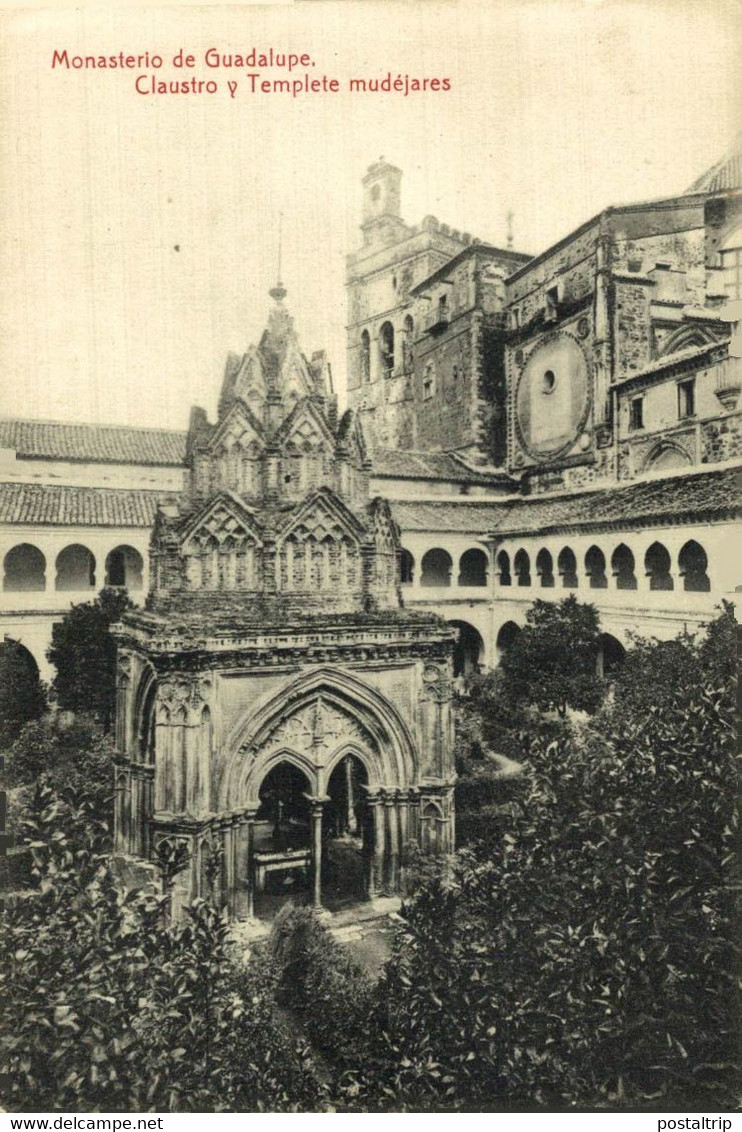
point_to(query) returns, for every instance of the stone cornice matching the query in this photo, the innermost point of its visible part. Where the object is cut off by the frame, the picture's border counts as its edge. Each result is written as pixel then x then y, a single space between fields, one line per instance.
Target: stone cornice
pixel 662 368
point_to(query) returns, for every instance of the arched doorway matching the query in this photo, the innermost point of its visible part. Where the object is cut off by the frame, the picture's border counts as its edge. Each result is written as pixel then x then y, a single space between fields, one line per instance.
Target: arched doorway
pixel 693 566
pixel 611 655
pixel 506 637
pixel 75 569
pixel 24 568
pixel 468 650
pixel 436 568
pixel 124 568
pixel 282 849
pixel 347 835
pixel 473 567
pixel 657 565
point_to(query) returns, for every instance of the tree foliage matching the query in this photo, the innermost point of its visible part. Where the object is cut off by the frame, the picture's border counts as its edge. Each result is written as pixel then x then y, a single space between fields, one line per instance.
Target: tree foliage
pixel 552 662
pixel 103 1009
pixel 590 960
pixel 73 755
pixel 22 695
pixel 656 673
pixel 585 957
pixel 84 654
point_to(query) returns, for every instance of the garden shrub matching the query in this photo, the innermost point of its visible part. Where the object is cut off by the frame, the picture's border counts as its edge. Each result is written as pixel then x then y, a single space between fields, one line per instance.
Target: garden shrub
pixel 591 962
pixel 71 753
pixel 104 1009
pixel 319 980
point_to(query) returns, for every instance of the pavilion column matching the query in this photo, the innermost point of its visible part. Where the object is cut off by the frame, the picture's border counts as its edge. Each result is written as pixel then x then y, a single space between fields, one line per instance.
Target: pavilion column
pixel 196 866
pixel 413 814
pixel 241 863
pixel 403 803
pixel 373 802
pixel 379 845
pixel 121 805
pixel 163 774
pixel 351 816
pixel 237 820
pixel 250 862
pixel 392 823
pixel 148 775
pixel 316 805
pixel 135 817
pixel 227 865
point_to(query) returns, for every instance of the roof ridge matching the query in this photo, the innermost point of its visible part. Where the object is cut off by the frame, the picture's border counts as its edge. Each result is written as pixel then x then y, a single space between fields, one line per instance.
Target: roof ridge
pixel 90 424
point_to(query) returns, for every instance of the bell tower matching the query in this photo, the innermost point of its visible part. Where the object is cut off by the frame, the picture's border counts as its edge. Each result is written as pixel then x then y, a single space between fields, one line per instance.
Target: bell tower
pixel 382 188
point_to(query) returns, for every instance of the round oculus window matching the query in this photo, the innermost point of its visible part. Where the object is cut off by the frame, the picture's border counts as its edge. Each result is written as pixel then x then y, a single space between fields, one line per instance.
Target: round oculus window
pixel 552 398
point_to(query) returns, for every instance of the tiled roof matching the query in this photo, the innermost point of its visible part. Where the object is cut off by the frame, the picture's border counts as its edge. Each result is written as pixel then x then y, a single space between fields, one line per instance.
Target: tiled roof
pixel 456 518
pixel 675 499
pixel 726 174
pixel 116 444
pixel 53 504
pixel 395 463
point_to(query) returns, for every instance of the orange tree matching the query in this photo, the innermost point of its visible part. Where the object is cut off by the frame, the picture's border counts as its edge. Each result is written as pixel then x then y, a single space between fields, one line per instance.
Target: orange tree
pixel 552 662
pixel 84 654
pixel 105 1009
pixel 589 959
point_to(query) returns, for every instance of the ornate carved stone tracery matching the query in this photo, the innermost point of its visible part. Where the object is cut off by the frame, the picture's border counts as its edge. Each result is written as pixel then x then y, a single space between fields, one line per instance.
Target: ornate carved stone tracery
pixel 316 731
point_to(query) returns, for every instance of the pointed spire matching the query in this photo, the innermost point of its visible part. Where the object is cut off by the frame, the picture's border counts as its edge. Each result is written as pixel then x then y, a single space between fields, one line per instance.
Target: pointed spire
pixel 279 291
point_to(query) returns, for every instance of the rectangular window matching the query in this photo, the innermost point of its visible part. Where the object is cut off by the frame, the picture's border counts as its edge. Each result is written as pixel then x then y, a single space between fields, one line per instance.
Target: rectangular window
pixel 731 262
pixel 636 413
pixel 687 398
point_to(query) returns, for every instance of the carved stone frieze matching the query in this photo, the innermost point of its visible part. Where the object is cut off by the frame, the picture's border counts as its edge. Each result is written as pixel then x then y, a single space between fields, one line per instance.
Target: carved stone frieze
pixel 123 667
pixel 436 683
pixel 190 691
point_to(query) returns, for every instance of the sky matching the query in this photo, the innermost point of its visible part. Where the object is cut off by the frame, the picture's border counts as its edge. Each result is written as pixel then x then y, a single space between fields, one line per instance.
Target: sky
pixel 139 232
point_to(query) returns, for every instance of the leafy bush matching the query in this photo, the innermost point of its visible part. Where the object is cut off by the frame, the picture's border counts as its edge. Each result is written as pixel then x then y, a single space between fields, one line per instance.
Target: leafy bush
pixel 73 755
pixel 655 673
pixel 590 962
pixel 318 979
pixel 106 1010
pixel 84 654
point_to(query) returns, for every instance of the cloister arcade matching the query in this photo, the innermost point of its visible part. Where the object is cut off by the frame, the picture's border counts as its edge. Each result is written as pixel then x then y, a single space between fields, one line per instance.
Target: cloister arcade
pixel 658 581
pixel 45 571
pixel 612 564
pixel 73 568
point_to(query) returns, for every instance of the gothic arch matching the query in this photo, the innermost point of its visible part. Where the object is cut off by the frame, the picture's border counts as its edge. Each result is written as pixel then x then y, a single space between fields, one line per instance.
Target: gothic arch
pixel 349 748
pixel 144 715
pixel 665 455
pixel 392 761
pixel 685 337
pixel 283 755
